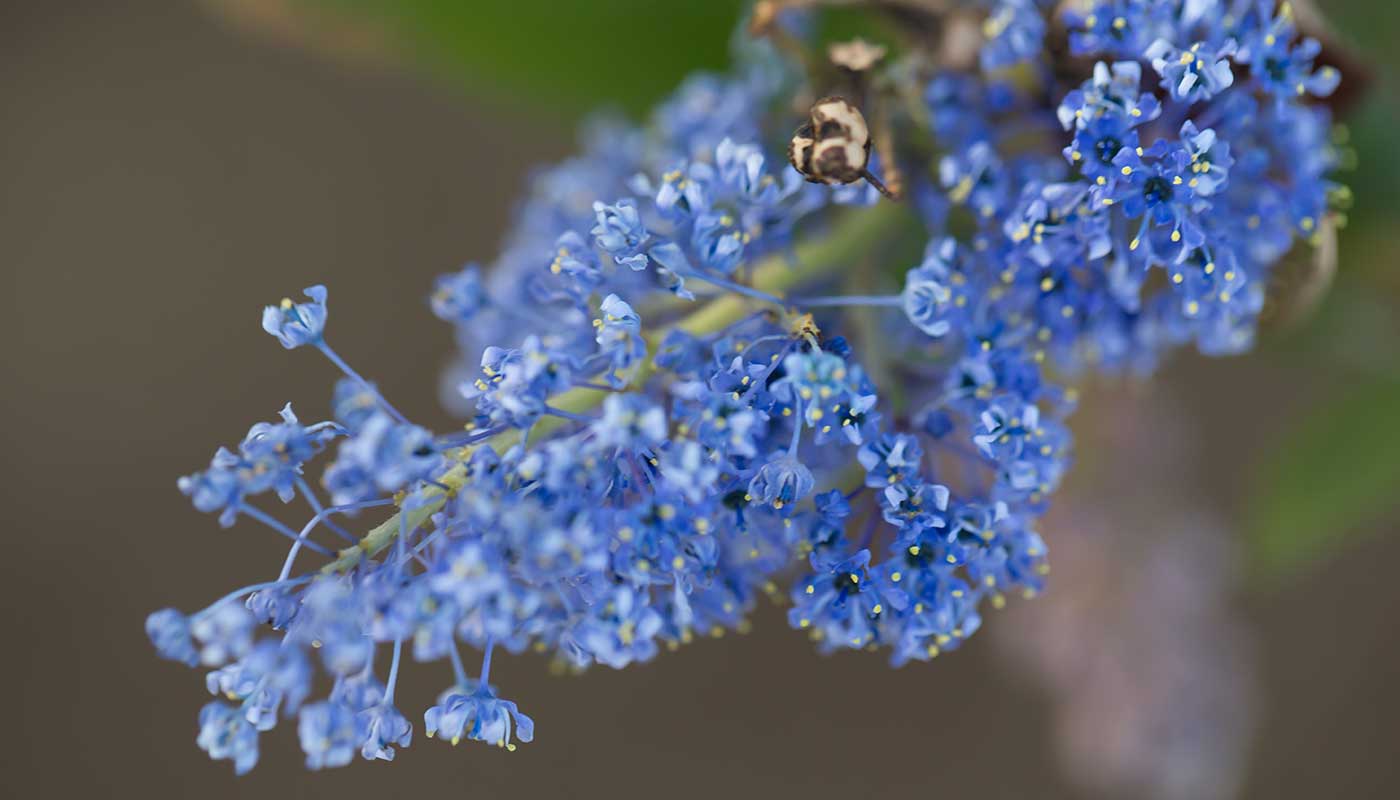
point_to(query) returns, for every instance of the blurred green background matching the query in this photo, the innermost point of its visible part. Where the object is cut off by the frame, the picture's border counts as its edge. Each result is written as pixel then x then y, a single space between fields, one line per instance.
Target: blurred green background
pixel 170 166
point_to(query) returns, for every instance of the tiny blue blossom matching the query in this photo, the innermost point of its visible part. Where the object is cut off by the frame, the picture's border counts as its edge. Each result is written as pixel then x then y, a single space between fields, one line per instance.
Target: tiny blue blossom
pixel 478 714
pixel 458 297
pixel 297 324
pixel 225 734
pixel 169 631
pixel 1194 74
pixel 781 482
pixel 329 735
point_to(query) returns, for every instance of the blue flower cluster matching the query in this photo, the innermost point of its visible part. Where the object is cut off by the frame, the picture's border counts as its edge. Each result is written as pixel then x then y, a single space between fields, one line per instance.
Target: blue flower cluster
pixel 665 422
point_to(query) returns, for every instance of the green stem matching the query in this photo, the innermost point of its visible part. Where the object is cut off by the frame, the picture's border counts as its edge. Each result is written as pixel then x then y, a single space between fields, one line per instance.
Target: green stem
pixel 852 237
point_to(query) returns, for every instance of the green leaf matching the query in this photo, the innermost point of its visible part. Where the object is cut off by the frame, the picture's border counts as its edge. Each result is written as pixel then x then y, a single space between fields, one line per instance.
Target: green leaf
pixel 572 54
pixel 1337 474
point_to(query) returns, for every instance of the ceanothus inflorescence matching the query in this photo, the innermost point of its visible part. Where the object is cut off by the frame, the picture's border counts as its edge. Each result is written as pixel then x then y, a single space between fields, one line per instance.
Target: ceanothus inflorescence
pixel 696 375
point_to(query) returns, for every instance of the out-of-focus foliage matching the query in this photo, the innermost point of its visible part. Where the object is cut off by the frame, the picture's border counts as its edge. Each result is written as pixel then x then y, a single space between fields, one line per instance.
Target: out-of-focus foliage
pixel 1334 475
pixel 575 55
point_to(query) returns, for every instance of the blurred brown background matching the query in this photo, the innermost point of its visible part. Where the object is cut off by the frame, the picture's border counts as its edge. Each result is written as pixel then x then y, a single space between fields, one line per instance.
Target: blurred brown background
pixel 163 175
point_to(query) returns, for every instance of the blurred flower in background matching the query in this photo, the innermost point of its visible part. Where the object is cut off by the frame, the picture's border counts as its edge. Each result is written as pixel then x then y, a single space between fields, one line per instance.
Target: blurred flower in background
pixel 1139 642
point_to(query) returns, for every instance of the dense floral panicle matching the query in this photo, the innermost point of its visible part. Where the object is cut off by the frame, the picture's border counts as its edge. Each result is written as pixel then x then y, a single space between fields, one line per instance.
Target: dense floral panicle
pixel 666 419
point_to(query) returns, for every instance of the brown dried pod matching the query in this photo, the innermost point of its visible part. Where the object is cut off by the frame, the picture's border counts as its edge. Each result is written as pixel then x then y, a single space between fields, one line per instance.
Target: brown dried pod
pixel 833 145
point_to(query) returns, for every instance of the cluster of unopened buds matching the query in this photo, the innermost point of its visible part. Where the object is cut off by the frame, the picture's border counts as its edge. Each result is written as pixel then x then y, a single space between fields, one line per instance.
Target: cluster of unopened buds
pixel 665 419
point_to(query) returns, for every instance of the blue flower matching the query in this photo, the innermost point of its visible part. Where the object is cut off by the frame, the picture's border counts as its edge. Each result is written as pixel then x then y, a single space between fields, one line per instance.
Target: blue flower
pixel 476 713
pixel 1158 188
pixel 1210 159
pixel 617 629
pixel 458 297
pixel 353 404
pixel 329 735
pixel 225 734
pixel 1030 452
pixel 914 506
pixel 845 601
pixel 929 298
pixel 940 615
pixel 1194 74
pixel 1116 27
pixel 218 488
pixel 1111 91
pixel 169 631
pixel 630 422
pixel 224 631
pixel 620 233
pixel 379 728
pixel 687 468
pixel 270 457
pixel 297 324
pixel 516 383
pixel 271 677
pixel 575 261
pixel 273 453
pixel 1283 65
pixel 1015 32
pixel 383 456
pixel 619 340
pixel 781 481
pixel 890 459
